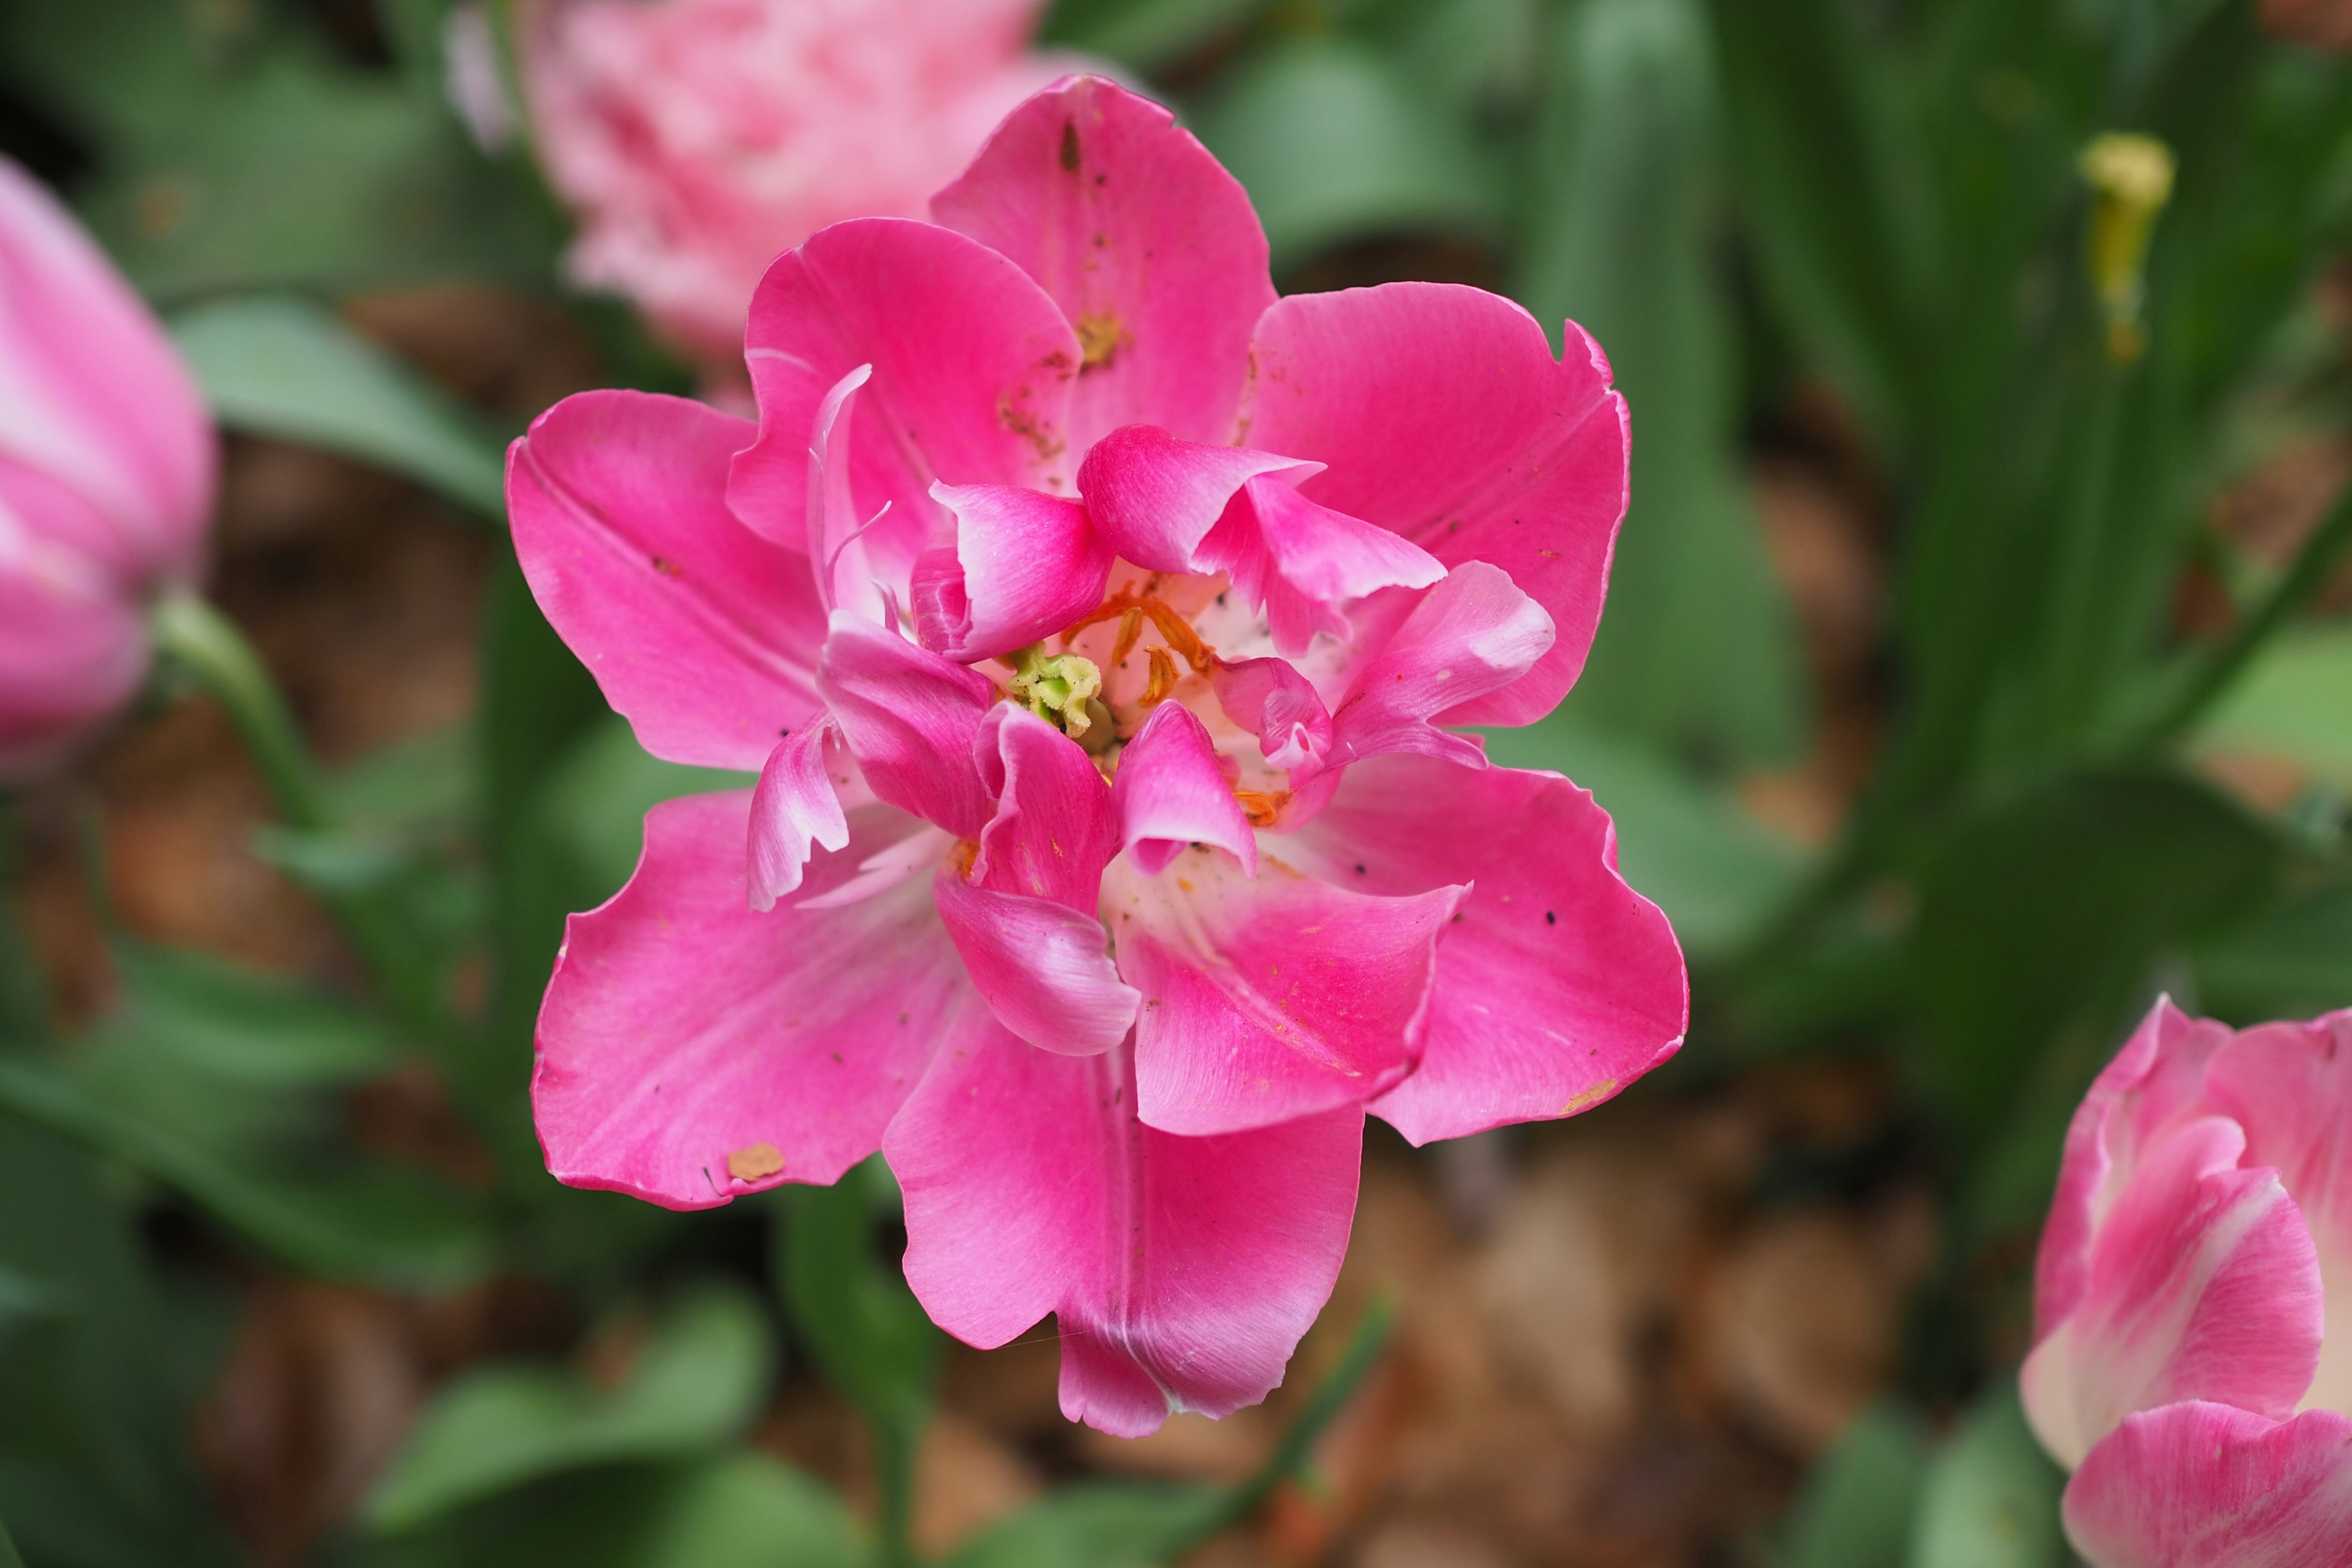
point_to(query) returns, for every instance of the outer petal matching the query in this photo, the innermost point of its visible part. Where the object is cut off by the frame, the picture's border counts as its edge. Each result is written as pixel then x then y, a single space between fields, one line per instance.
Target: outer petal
pixel 971 372
pixel 71 651
pixel 2206 1485
pixel 701 634
pixel 2290 1086
pixel 94 403
pixel 1022 565
pixel 1147 246
pixel 1269 999
pixel 796 805
pixel 1556 984
pixel 910 717
pixel 1041 966
pixel 1172 791
pixel 681 1029
pixel 1156 498
pixel 1442 416
pixel 1184 1270
pixel 2203 1285
pixel 1471 635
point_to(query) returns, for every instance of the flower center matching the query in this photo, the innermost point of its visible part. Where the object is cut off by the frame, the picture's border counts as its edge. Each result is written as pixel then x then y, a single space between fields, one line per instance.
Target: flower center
pixel 1064 689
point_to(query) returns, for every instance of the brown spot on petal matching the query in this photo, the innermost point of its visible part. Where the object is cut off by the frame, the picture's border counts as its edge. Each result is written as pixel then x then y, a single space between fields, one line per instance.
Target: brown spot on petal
pixel 756 1163
pixel 1101 336
pixel 1070 146
pixel 1585 1100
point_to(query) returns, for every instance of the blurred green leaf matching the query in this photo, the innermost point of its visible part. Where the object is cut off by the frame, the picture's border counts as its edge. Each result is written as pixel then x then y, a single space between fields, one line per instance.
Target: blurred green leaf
pixel 282 366
pixel 2295 700
pixel 696 1382
pixel 243 1025
pixel 1858 1504
pixel 1698 649
pixel 1333 145
pixel 1992 1495
pixel 1101 1524
pixel 596 796
pixel 1144 34
pixel 1716 871
pixel 2049 908
pixel 236 151
pixel 2294 963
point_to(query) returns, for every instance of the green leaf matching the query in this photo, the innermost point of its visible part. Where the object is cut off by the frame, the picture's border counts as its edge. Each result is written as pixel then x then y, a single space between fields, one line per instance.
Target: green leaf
pixel 1858 1504
pixel 1144 34
pixel 2049 910
pixel 281 366
pixel 2293 701
pixel 1333 146
pixel 1101 1524
pixel 697 1382
pixel 242 1024
pixel 1698 650
pixel 1716 871
pixel 1992 1495
pixel 864 1326
pixel 595 799
pixel 2294 963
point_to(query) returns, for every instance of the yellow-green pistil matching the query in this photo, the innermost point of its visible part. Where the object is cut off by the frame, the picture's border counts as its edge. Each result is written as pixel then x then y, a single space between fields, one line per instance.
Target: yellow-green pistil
pixel 1062 688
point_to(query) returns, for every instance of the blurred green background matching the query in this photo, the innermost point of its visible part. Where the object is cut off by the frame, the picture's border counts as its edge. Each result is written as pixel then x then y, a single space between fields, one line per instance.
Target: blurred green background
pixel 1978 664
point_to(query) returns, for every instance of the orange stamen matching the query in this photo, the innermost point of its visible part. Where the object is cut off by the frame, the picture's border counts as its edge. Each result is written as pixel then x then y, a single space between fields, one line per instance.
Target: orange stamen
pixel 1130 628
pixel 1163 677
pixel 1262 807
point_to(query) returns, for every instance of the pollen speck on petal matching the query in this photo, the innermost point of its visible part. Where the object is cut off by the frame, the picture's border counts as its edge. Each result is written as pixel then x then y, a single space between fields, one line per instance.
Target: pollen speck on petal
pixel 756 1163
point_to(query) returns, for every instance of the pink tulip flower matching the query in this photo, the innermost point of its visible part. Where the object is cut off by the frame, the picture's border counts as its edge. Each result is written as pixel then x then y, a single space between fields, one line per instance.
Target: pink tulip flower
pixel 2193 1299
pixel 697 139
pixel 106 477
pixel 1099 624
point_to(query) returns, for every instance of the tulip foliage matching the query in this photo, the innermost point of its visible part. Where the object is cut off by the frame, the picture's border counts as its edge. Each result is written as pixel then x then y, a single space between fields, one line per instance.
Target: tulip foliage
pixel 1150 585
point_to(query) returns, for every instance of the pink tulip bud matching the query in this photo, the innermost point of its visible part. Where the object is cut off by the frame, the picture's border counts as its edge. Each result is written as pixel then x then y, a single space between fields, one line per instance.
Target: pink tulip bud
pixel 107 466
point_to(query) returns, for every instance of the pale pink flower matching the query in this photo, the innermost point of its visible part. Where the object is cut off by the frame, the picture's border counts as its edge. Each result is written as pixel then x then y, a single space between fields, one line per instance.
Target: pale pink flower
pixel 1110 985
pixel 106 476
pixel 2193 1300
pixel 697 139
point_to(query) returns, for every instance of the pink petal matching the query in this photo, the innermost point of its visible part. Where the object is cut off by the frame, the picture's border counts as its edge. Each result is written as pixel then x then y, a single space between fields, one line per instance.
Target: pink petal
pixel 1556 984
pixel 2290 1086
pixel 94 402
pixel 1473 634
pixel 838 555
pixel 2155 1082
pixel 910 717
pixel 70 653
pixel 1444 417
pixel 2202 1285
pixel 1272 701
pixel 1268 999
pixel 1183 1270
pixel 1156 498
pixel 1041 965
pixel 701 634
pixel 681 1028
pixel 796 805
pixel 1172 791
pixel 1294 559
pixel 1023 565
pixel 1055 826
pixel 1148 246
pixel 2206 1485
pixel 971 366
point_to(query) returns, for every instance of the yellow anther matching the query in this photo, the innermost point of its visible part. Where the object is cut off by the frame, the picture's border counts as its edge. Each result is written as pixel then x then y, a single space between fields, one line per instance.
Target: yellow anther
pixel 2132 177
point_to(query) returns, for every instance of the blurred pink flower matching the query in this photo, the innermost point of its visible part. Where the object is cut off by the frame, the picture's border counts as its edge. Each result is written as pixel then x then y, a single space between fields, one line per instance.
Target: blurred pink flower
pixel 106 476
pixel 697 139
pixel 2193 1307
pixel 1153 858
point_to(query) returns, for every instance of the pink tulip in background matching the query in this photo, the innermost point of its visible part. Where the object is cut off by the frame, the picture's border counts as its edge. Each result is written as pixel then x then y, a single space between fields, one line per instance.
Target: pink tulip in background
pixel 2193 1362
pixel 699 139
pixel 107 465
pixel 1099 624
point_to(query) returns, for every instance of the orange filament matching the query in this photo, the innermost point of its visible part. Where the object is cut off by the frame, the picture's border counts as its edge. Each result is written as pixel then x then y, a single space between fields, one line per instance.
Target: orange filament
pixel 1174 627
pixel 961 855
pixel 1131 628
pixel 1163 678
pixel 1262 806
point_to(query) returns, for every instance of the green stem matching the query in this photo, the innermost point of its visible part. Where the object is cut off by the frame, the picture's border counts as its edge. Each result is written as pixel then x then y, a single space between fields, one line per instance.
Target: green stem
pixel 24 994
pixel 208 644
pixel 2311 568
pixel 895 1442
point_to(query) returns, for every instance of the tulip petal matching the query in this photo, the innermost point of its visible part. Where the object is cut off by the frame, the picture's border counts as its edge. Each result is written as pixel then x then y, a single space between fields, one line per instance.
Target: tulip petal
pixel 1271 998
pixel 690 1050
pixel 910 717
pixel 2207 1486
pixel 1295 561
pixel 700 633
pixel 1183 1270
pixel 94 399
pixel 1473 634
pixel 1150 248
pixel 1041 965
pixel 1171 791
pixel 1443 417
pixel 2203 1284
pixel 1556 984
pixel 1272 701
pixel 2290 1086
pixel 70 653
pixel 971 366
pixel 796 805
pixel 1157 497
pixel 1023 566
pixel 1054 826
